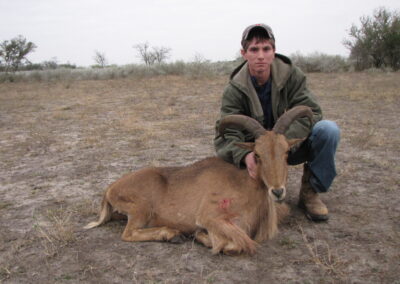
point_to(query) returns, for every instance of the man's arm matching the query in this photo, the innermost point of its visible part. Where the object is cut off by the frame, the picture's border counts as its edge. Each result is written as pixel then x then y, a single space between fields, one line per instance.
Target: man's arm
pixel 299 94
pixel 232 103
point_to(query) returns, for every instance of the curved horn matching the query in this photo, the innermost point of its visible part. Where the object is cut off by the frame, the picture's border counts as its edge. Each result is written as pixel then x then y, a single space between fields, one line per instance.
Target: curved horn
pixel 241 122
pixel 288 117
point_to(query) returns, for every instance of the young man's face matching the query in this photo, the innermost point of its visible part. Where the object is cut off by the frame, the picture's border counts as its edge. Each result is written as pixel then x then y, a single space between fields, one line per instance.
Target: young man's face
pixel 259 56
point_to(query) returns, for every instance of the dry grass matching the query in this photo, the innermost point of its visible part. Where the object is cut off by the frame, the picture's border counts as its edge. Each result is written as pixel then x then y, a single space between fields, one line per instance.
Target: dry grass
pixel 85 207
pixel 367 87
pixel 321 255
pixel 57 232
pixel 4 205
pixel 5 272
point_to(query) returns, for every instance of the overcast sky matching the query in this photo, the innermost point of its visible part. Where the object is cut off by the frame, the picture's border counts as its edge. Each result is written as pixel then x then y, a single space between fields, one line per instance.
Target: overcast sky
pixel 71 30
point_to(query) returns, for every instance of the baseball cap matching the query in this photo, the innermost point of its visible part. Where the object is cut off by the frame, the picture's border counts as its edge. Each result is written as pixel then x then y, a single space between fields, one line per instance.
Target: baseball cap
pixel 264 27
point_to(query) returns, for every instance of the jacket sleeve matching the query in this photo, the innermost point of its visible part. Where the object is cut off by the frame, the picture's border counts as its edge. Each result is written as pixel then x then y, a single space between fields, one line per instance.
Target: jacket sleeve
pixel 232 103
pixel 299 94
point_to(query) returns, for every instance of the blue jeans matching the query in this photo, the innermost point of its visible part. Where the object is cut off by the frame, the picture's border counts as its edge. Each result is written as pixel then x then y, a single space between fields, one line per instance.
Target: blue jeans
pixel 318 151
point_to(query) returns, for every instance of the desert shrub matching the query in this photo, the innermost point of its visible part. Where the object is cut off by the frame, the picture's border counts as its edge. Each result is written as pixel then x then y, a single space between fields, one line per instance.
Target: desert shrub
pixel 227 67
pixel 175 68
pixel 376 43
pixel 320 62
pixel 374 70
pixel 197 70
pixel 7 77
pixel 31 66
pixel 14 52
pixel 36 76
pixel 67 66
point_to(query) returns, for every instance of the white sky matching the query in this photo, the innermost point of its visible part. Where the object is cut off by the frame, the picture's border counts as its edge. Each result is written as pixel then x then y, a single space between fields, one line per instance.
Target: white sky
pixel 71 30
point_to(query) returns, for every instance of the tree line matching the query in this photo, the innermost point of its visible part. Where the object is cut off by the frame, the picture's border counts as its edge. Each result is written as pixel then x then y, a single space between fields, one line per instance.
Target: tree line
pixel 375 43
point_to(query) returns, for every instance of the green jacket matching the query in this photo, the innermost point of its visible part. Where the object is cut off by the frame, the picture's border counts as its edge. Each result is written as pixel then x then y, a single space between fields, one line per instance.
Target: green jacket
pixel 288 90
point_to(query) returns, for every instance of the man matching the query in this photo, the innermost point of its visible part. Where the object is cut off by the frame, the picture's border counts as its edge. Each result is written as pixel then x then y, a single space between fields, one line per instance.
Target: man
pixel 264 87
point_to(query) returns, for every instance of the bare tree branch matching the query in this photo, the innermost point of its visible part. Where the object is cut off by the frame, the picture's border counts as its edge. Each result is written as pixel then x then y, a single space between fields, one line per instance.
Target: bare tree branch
pixel 100 59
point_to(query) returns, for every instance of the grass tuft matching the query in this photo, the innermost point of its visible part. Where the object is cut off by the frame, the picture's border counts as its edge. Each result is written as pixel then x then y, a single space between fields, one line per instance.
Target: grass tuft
pixel 57 233
pixel 322 255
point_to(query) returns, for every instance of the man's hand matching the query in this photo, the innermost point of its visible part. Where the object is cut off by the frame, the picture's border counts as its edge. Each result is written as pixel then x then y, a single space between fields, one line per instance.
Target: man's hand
pixel 250 161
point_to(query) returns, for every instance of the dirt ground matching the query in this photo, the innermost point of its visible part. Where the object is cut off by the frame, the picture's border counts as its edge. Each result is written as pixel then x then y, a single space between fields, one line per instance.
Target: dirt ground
pixel 62 143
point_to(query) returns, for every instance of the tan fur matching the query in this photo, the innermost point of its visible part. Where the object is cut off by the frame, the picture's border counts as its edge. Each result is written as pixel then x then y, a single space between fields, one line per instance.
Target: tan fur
pixel 220 204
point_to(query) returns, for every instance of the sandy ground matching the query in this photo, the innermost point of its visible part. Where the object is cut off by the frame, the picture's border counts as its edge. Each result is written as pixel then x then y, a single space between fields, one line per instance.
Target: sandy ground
pixel 62 143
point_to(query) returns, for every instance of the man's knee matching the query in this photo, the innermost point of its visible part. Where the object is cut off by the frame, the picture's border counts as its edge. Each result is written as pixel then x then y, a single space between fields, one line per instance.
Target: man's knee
pixel 326 130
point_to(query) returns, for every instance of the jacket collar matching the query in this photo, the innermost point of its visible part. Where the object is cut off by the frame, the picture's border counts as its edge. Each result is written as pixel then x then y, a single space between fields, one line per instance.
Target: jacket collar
pixel 280 70
pixel 242 80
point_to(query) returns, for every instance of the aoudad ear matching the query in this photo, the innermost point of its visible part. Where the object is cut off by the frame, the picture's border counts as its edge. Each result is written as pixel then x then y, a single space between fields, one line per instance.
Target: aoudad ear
pixel 294 143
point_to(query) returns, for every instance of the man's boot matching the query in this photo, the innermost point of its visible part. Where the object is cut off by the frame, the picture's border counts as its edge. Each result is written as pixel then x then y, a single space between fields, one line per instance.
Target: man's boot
pixel 309 200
